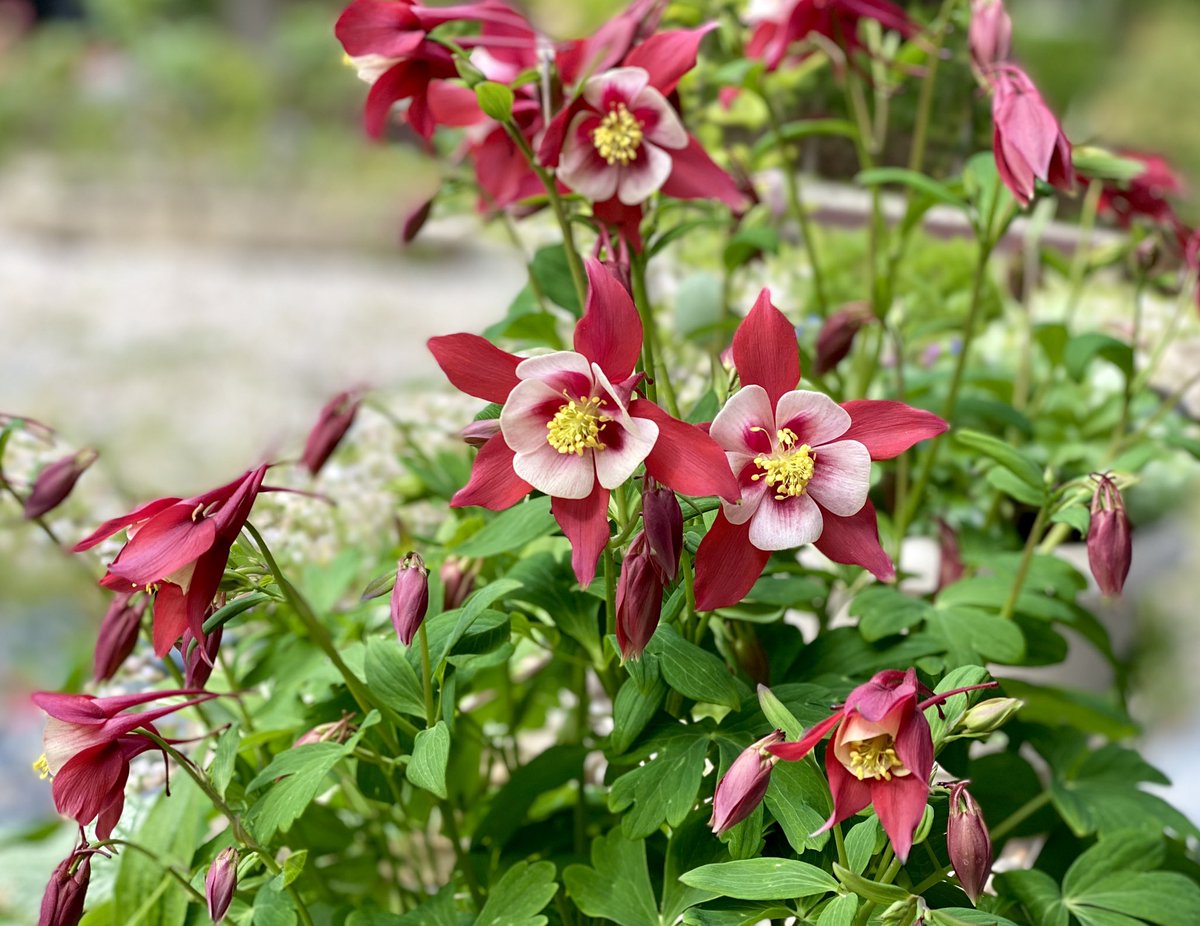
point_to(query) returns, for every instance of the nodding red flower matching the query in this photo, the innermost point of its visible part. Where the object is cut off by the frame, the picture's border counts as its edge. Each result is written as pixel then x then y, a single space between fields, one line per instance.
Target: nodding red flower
pixel 198 659
pixel 118 634
pixel 803 465
pixel 778 24
pixel 662 519
pixel 745 784
pixel 332 424
pixel 1027 140
pixel 458 576
pixel 1109 545
pixel 1145 196
pixel 88 744
pixel 990 34
pixel 177 551
pixel 880 754
pixel 220 883
pixel 608 45
pixel 968 842
pixel 639 599
pixel 837 335
pixel 63 899
pixel 55 482
pixel 410 597
pixel 570 426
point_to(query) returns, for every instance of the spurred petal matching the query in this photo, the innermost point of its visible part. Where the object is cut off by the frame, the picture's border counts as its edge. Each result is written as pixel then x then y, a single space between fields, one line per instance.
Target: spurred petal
pixel 684 457
pixel 584 522
pixel 610 331
pixel 855 542
pixel 167 542
pixel 887 428
pixel 83 785
pixel 841 477
pixel 765 351
pixel 562 475
pixel 78 708
pixel 476 366
pixel 813 417
pixel 798 750
pixel 881 695
pixel 727 565
pixel 900 804
pixel 398 82
pixel 786 524
pixel 746 423
pixel 494 483
pixel 694 175
pixel 111 526
pixel 378 27
pixel 668 55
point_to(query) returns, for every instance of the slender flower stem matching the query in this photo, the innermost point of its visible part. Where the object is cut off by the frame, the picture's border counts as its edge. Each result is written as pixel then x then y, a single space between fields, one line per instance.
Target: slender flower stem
pixel 610 590
pixel 839 840
pixel 426 677
pixel 652 359
pixel 916 154
pixel 464 863
pixel 1020 815
pixel 1035 535
pixel 1087 228
pixel 157 859
pixel 935 878
pixel 888 876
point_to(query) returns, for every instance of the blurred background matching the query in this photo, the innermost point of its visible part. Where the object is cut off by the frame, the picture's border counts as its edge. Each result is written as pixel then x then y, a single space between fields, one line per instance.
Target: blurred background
pixel 198 247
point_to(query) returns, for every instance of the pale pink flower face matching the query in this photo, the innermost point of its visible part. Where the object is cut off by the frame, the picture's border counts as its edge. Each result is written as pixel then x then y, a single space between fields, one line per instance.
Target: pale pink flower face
pixel 569 427
pixel 868 749
pixel 620 144
pixel 787 459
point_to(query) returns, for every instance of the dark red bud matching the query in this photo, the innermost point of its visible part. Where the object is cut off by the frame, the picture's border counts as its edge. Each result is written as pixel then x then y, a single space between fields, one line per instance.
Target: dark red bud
pixel 332 424
pixel 415 220
pixel 662 519
pixel 1109 544
pixel 334 731
pixel 990 34
pixel 220 883
pixel 950 566
pixel 458 580
pixel 478 433
pixel 410 597
pixel 55 482
pixel 62 903
pixel 639 599
pixel 837 335
pixel 968 842
pixel 745 784
pixel 118 634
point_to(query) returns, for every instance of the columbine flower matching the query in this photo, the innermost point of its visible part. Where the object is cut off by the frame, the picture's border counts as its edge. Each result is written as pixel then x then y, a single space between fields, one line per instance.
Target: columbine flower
pixel 745 784
pixel 177 549
pixel 63 899
pixel 777 24
pixel 1145 195
pixel 968 842
pixel 639 599
pixel 54 483
pixel 1109 547
pixel 570 426
pixel 410 597
pixel 89 742
pixel 837 335
pixel 332 424
pixel 220 883
pixel 1027 141
pixel 990 34
pixel 802 462
pixel 118 634
pixel 662 520
pixel 881 753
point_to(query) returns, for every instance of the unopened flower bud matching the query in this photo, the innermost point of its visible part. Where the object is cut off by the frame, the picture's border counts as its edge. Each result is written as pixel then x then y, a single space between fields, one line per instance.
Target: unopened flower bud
pixel 989 35
pixel 478 433
pixel 968 842
pixel 220 883
pixel 745 784
pixel 989 715
pixel 662 519
pixel 62 902
pixel 118 634
pixel 332 424
pixel 752 658
pixel 55 482
pixel 1109 547
pixel 410 597
pixel 334 731
pixel 950 564
pixel 415 220
pixel 900 913
pixel 198 660
pixel 837 335
pixel 458 579
pixel 639 599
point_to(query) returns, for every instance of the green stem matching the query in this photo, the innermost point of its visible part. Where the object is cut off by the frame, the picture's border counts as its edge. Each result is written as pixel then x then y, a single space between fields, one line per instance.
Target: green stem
pixel 426 677
pixel 580 734
pixel 888 876
pixel 1087 227
pixel 464 863
pixel 839 840
pixel 916 154
pixel 936 878
pixel 1020 815
pixel 1035 535
pixel 157 859
pixel 610 591
pixel 652 360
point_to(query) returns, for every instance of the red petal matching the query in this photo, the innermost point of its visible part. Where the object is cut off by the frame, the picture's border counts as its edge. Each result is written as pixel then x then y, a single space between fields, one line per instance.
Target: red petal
pixel 667 56
pixel 494 484
pixel 685 457
pixel 727 565
pixel 167 542
pixel 765 351
pixel 584 521
pixel 900 804
pixel 111 526
pixel 855 542
pixel 885 692
pixel 694 175
pixel 378 27
pixel 206 580
pixel 550 149
pixel 790 752
pixel 398 82
pixel 849 794
pixel 475 365
pixel 610 331
pixel 170 617
pixel 84 785
pixel 914 745
pixel 887 429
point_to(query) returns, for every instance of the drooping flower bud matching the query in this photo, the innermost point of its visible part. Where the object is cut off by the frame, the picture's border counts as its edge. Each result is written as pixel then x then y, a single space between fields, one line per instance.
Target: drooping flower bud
pixel 118 634
pixel 1027 140
pixel 198 660
pixel 662 519
pixel 220 883
pixel 745 784
pixel 54 483
pixel 334 731
pixel 639 599
pixel 950 564
pixel 410 597
pixel 332 424
pixel 1109 547
pixel 968 842
pixel 989 715
pixel 990 34
pixel 62 902
pixel 478 433
pixel 837 335
pixel 458 580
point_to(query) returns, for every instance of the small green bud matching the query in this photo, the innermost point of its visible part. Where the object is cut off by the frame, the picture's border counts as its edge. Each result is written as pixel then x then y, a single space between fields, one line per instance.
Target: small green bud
pixel 923 828
pixel 989 715
pixel 496 100
pixel 470 74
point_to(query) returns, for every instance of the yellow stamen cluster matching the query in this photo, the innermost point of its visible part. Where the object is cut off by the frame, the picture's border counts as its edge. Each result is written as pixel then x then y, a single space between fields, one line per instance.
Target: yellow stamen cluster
pixel 575 427
pixel 875 758
pixel 618 136
pixel 790 469
pixel 42 767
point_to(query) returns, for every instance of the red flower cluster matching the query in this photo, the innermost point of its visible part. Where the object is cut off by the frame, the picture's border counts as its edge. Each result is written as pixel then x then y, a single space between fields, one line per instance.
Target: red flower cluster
pixel 779 24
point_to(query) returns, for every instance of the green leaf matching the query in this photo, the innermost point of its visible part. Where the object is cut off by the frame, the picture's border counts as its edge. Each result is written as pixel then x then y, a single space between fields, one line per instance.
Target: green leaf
pixel 1165 898
pixel 874 891
pixel 970 634
pixel 798 798
pixel 517 899
pixel 778 715
pixel 806 128
pixel 883 611
pixel 617 886
pixel 761 879
pixel 302 770
pixel 1038 893
pixel 1084 348
pixel 220 772
pixel 748 243
pixel 662 789
pixel 1079 709
pixel 431 753
pixel 692 671
pixel 291 869
pixel 509 806
pixel 553 274
pixel 953 708
pixel 839 911
pixel 691 845
pixel 1123 851
pixel 862 841
pixel 392 678
pixel 633 709
pixel 272 907
pixel 547 583
pixel 957 916
pixel 496 100
pixel 511 529
pixel 1008 457
pixel 1002 480
pixel 913 179
pixel 471 612
pixel 1105 165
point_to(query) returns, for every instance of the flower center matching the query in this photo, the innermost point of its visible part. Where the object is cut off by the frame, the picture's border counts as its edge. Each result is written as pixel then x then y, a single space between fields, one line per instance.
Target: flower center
pixel 42 767
pixel 576 426
pixel 618 136
pixel 789 469
pixel 876 758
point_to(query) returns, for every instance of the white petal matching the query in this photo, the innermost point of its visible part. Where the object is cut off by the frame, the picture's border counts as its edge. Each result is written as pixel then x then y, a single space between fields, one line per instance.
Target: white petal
pixel 562 475
pixel 626 82
pixel 747 408
pixel 523 419
pixel 669 132
pixel 616 464
pixel 841 477
pixel 578 149
pixel 547 366
pixel 743 510
pixel 593 179
pixel 783 525
pixel 645 176
pixel 813 417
